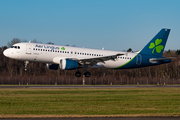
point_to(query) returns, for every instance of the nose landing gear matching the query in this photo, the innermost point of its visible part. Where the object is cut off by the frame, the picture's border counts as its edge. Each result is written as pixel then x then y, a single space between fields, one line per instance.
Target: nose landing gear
pixel 25 65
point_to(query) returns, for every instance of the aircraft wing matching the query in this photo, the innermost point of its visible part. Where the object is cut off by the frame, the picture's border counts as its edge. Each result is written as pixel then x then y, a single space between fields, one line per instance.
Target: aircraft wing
pixel 95 60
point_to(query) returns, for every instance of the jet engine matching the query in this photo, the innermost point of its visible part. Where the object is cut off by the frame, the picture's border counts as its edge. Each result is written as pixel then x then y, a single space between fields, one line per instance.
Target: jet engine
pixel 66 64
pixel 52 66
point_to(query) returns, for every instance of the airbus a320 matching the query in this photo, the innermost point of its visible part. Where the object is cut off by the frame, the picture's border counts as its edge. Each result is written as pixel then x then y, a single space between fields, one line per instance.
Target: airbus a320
pixel 69 58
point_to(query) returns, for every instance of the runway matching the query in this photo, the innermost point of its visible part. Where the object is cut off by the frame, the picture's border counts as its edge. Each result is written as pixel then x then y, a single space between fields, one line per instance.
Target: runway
pixel 81 86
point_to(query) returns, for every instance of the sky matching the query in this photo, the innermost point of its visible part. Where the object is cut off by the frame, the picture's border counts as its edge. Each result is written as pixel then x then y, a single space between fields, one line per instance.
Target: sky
pixel 112 24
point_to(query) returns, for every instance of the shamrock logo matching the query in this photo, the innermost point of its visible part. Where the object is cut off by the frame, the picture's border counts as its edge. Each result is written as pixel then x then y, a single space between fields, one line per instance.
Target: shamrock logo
pixel 156 46
pixel 63 48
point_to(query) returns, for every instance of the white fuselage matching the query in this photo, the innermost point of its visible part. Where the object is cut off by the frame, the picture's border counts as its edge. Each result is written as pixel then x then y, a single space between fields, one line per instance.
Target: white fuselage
pixel 48 53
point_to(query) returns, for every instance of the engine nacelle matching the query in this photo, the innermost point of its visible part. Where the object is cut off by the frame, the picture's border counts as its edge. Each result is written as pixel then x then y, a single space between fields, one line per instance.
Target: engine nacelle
pixel 52 66
pixel 66 64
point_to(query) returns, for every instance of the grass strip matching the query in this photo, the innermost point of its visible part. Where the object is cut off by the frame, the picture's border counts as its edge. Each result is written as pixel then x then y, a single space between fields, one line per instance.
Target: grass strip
pixel 120 102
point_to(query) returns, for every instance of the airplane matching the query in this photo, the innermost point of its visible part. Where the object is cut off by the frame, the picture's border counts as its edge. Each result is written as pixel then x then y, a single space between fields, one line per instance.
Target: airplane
pixel 69 58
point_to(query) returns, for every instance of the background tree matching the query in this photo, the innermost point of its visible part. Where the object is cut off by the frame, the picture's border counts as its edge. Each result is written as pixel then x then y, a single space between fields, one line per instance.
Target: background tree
pixel 129 50
pixel 13 41
pixel 50 43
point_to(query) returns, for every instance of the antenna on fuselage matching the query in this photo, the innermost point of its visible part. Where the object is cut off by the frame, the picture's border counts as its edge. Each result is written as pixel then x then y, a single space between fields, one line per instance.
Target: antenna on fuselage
pixel 30 41
pixel 103 48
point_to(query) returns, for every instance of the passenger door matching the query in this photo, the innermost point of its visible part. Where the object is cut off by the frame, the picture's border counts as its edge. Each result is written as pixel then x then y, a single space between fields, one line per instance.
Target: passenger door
pixel 28 48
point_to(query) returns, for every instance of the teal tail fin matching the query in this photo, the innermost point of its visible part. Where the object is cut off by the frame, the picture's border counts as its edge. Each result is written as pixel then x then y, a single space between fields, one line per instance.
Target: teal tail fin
pixel 156 46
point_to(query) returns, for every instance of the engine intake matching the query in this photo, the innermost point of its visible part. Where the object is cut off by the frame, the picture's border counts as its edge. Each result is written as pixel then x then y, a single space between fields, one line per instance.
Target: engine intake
pixel 66 64
pixel 52 66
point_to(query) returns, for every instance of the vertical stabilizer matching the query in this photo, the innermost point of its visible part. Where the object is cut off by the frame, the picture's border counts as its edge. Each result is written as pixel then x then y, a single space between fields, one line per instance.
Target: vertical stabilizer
pixel 156 46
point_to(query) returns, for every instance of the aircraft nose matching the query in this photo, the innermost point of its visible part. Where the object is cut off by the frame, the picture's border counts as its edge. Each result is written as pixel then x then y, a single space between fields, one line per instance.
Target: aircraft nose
pixel 6 53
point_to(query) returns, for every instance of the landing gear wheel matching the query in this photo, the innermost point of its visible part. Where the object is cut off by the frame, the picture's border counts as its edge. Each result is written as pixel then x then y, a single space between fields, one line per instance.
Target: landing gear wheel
pixel 87 74
pixel 78 74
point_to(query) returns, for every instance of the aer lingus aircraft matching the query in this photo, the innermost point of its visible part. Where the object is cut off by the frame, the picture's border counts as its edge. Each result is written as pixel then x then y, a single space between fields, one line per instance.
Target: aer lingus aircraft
pixel 69 58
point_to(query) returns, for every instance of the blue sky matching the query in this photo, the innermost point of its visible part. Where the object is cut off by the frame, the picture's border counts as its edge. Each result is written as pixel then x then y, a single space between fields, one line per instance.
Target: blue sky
pixel 112 24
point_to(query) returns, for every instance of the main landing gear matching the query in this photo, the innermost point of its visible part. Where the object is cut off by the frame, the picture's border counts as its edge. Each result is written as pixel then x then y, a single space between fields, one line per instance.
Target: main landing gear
pixel 25 65
pixel 78 74
pixel 86 74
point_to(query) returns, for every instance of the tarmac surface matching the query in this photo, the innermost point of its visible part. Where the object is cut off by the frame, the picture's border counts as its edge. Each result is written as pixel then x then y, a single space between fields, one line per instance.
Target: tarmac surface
pixel 92 86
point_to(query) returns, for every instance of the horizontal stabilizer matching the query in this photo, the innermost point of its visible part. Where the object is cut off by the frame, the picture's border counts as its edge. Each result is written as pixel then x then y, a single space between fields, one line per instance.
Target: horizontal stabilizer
pixel 154 60
pixel 160 59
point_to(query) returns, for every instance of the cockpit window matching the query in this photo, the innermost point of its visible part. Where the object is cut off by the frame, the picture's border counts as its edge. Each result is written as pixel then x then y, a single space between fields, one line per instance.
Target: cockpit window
pixel 16 47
